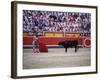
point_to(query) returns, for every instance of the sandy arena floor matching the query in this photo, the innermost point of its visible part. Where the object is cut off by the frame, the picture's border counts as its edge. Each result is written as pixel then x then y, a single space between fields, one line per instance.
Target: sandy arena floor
pixel 56 58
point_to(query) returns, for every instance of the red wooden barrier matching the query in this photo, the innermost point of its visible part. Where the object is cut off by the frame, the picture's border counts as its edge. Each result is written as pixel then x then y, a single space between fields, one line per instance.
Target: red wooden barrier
pixel 49 40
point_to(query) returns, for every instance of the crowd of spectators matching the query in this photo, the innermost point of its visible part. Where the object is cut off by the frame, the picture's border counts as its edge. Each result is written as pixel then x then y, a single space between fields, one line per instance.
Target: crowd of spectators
pixel 53 21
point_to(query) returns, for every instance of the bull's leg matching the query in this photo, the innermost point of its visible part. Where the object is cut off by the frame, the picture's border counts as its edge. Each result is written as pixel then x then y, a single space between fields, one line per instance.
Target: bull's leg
pixel 65 49
pixel 75 48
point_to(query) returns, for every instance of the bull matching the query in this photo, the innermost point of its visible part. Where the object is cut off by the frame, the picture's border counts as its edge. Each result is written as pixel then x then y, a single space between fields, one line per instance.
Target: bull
pixel 69 43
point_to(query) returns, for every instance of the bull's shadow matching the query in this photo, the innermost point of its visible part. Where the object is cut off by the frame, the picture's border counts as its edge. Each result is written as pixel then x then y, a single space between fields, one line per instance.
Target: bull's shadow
pixel 69 43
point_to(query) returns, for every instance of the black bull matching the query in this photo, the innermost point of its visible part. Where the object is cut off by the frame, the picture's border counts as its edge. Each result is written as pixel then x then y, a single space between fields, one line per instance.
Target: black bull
pixel 69 43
